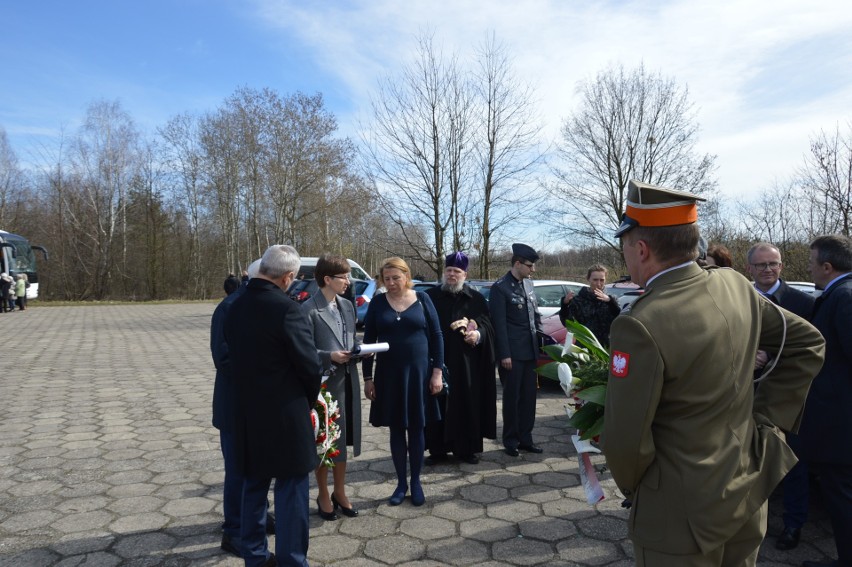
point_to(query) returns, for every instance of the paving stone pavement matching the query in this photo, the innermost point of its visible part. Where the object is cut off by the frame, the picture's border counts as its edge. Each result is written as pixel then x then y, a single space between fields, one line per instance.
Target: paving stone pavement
pixel 107 457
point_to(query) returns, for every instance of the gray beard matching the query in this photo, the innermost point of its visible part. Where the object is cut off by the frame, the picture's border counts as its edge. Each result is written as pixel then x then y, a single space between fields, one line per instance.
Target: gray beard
pixel 451 288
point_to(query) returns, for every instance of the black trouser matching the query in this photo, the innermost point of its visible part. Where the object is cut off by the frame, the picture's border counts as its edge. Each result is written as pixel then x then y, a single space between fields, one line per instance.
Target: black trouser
pixel 519 398
pixel 836 486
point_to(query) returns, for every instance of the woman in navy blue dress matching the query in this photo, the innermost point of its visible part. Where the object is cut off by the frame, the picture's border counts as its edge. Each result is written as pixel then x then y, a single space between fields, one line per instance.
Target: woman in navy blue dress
pixel 407 376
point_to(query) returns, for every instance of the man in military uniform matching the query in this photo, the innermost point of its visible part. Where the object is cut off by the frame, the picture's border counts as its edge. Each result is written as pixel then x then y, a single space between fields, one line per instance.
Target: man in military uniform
pixel 516 319
pixel 686 436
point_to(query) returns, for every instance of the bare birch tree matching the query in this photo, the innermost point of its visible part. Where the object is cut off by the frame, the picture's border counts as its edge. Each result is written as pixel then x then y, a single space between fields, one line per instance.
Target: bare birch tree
pixel 104 159
pixel 507 147
pixel 418 152
pixel 630 124
pixel 826 178
pixel 182 155
pixel 11 181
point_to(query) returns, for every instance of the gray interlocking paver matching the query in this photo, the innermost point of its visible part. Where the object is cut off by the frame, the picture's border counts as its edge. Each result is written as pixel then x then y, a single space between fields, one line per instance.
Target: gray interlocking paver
pixel 108 457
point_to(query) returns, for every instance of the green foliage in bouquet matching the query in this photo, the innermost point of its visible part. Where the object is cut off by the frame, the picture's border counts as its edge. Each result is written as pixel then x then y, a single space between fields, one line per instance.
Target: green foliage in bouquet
pixel 589 364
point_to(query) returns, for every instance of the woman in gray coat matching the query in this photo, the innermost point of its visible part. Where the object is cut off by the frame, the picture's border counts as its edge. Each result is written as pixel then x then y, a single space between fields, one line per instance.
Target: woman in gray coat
pixel 332 318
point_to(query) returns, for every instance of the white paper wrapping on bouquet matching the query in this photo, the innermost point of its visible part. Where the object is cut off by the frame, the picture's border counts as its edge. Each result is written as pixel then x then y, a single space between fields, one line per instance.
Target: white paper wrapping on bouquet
pixel 325 426
pixel 588 474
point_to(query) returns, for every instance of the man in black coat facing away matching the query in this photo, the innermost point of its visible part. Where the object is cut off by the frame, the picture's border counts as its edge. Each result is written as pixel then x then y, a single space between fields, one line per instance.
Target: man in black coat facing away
pixel 277 375
pixel 826 431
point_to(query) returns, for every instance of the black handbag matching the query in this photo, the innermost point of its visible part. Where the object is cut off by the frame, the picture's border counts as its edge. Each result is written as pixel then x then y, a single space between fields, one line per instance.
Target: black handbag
pixel 445 385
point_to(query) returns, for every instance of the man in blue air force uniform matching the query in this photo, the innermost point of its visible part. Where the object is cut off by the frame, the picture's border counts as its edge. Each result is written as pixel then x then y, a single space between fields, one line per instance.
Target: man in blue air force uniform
pixel 516 320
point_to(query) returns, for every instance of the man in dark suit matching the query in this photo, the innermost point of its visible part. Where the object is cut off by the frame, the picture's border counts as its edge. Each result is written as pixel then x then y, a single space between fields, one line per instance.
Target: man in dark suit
pixel 516 320
pixel 277 376
pixel 686 436
pixel 826 431
pixel 224 408
pixel 764 265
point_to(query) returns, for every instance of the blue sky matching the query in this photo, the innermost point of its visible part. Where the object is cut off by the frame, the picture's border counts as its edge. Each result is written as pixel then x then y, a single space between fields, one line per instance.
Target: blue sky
pixel 764 76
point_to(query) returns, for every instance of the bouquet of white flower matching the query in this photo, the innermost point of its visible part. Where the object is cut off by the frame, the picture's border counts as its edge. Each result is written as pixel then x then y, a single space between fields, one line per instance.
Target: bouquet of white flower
pixel 582 370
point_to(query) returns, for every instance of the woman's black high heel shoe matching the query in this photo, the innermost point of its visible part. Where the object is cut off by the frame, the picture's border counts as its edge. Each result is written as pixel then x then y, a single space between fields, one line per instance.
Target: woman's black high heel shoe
pixel 328 516
pixel 348 512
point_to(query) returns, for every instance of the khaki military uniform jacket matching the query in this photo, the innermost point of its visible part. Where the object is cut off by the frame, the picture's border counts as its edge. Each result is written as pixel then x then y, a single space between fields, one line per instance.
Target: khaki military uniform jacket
pixel 686 437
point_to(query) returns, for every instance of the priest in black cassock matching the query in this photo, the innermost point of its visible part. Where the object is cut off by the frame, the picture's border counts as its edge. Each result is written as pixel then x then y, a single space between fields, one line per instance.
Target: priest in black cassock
pixel 469 409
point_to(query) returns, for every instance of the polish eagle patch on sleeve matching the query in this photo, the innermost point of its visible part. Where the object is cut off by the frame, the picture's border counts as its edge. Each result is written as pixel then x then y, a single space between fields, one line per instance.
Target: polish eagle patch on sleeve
pixel 619 364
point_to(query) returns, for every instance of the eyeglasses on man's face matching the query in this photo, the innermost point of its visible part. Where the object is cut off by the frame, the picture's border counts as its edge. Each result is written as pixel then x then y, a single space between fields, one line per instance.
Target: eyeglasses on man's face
pixel 764 265
pixel 530 266
pixel 346 277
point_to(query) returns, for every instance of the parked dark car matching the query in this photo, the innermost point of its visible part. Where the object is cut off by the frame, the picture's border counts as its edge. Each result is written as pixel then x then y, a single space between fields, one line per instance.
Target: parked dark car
pixel 423 286
pixel 301 290
pixel 482 286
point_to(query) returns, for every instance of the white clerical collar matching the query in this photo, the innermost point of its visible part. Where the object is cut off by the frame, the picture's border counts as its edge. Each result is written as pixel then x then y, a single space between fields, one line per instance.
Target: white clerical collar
pixel 667 270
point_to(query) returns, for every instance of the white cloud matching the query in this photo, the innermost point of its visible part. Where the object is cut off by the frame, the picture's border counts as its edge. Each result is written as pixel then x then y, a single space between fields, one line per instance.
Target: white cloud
pixel 739 59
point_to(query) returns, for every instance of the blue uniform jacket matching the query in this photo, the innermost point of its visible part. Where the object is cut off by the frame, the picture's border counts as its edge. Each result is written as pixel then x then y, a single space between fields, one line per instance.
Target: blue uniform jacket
pixel 515 315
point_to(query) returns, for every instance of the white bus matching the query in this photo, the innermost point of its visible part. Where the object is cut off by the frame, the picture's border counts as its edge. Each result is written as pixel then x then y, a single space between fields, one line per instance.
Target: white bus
pixel 17 257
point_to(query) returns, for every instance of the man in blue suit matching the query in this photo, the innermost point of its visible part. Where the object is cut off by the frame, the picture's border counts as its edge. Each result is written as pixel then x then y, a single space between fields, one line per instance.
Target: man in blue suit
pixel 764 266
pixel 826 431
pixel 277 376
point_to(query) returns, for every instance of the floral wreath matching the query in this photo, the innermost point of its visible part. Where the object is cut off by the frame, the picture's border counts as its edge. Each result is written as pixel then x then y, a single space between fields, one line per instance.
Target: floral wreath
pixel 324 418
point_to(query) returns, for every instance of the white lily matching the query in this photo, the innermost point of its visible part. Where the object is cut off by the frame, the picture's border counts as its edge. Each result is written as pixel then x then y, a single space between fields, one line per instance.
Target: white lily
pixel 566 377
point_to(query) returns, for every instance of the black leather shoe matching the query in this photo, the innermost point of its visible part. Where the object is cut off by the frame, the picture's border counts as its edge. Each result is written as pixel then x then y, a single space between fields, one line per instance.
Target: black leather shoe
pixel 328 516
pixel 469 459
pixel 511 451
pixel 531 448
pixel 435 459
pixel 270 561
pixel 788 539
pixel 228 546
pixel 270 524
pixel 348 512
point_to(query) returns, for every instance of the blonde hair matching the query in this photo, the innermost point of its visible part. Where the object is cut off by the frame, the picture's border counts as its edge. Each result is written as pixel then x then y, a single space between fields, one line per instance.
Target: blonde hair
pixel 397 263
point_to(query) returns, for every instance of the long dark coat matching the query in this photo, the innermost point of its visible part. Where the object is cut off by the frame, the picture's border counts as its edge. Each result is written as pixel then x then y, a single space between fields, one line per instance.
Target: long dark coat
pixel 277 375
pixel 470 409
pixel 826 431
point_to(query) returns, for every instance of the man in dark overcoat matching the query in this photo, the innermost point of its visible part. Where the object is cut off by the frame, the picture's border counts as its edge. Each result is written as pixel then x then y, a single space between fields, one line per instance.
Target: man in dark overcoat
pixel 764 265
pixel 687 437
pixel 826 431
pixel 516 320
pixel 277 374
pixel 470 407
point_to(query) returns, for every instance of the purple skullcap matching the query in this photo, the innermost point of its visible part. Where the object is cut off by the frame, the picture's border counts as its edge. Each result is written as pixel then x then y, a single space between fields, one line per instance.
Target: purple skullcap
pixel 456 260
